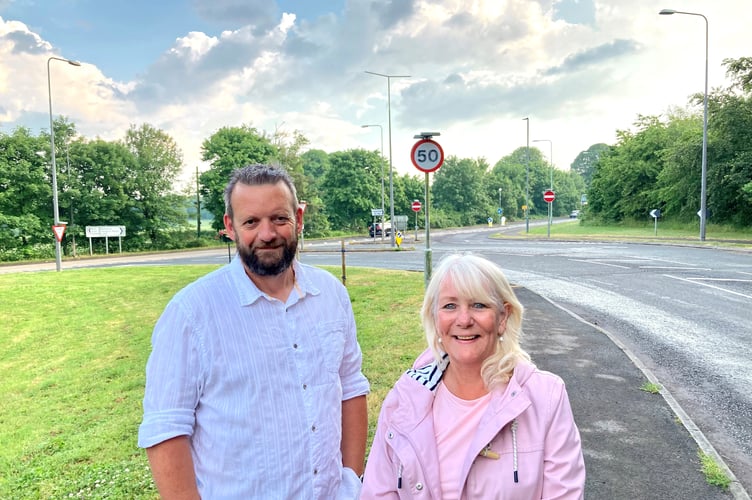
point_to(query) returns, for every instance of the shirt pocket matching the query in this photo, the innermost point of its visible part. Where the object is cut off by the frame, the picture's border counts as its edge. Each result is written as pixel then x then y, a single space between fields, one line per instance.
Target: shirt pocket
pixel 330 336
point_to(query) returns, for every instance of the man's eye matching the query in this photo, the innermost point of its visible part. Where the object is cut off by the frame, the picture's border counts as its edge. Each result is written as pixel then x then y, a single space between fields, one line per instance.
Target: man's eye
pixel 282 219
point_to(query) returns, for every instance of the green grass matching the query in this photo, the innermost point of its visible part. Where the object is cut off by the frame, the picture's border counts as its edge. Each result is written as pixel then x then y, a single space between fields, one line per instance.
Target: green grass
pixel 714 475
pixel 583 230
pixel 72 369
pixel 650 387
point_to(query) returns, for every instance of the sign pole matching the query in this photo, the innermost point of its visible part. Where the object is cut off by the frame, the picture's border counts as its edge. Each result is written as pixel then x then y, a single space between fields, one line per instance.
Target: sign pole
pixel 428 260
pixel 427 156
pixel 549 196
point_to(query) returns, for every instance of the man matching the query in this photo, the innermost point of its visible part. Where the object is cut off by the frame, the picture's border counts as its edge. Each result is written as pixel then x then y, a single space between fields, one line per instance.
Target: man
pixel 254 386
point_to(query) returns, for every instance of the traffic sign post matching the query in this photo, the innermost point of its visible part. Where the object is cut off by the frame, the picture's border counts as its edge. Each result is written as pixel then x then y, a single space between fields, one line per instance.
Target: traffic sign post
pixel 416 206
pixel 59 232
pixel 655 214
pixel 427 156
pixel 549 196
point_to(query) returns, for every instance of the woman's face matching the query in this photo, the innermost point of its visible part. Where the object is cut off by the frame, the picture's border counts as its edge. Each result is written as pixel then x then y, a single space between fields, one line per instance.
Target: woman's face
pixel 468 329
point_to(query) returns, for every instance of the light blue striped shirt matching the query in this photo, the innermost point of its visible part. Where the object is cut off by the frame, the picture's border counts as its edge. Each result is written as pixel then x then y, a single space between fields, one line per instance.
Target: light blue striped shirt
pixel 257 384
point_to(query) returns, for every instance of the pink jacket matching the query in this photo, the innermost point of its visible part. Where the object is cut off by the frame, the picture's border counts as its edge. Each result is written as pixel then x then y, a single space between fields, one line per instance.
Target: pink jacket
pixel 529 425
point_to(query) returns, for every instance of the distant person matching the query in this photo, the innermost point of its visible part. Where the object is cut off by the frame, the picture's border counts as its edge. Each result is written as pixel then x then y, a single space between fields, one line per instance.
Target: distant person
pixel 254 386
pixel 473 418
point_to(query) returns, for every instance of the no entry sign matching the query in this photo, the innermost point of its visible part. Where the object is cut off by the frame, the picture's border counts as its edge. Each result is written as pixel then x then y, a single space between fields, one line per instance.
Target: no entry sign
pixel 548 196
pixel 416 206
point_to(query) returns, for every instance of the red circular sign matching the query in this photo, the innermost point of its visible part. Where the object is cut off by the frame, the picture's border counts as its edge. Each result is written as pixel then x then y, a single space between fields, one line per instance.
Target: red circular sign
pixel 416 206
pixel 427 155
pixel 548 196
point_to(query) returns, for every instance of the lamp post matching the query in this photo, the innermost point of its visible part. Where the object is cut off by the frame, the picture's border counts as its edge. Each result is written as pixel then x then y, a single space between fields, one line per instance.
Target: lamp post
pixel 56 213
pixel 527 178
pixel 381 129
pixel 704 172
pixel 389 113
pixel 500 210
pixel 551 164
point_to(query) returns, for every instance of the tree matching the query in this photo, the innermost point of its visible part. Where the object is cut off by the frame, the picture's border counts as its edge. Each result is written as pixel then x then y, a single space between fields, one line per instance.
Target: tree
pixel 351 188
pixel 458 189
pixel 227 149
pixel 158 163
pixel 315 165
pixel 523 180
pixel 25 190
pixel 105 171
pixel 625 184
pixel 585 163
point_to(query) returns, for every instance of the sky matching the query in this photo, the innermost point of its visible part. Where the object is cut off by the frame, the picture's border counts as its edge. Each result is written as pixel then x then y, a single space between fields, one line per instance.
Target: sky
pixel 472 70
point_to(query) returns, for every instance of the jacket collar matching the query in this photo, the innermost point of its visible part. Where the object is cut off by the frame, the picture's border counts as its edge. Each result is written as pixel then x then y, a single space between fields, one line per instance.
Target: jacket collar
pixel 417 388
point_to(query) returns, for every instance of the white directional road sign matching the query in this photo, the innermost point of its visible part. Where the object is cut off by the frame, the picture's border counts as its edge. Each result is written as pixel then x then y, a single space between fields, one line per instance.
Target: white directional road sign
pixel 105 231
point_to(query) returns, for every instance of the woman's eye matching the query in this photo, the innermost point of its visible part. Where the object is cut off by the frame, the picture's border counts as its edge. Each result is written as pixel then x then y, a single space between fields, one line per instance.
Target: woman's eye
pixel 449 306
pixel 478 305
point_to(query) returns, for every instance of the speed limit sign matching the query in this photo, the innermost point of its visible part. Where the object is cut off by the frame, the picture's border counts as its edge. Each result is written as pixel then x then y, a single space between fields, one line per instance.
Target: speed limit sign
pixel 427 155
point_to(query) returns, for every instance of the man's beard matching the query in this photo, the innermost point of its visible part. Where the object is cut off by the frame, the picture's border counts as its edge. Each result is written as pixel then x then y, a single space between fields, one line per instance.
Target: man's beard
pixel 269 268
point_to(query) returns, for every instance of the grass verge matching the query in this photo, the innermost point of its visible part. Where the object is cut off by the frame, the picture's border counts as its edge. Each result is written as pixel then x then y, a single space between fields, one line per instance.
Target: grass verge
pixel 668 232
pixel 72 369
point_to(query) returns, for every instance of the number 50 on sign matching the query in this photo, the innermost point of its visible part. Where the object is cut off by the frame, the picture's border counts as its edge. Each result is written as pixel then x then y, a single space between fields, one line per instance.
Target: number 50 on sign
pixel 427 155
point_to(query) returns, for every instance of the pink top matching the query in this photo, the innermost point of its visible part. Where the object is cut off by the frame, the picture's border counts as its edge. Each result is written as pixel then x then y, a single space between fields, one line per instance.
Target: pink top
pixel 455 421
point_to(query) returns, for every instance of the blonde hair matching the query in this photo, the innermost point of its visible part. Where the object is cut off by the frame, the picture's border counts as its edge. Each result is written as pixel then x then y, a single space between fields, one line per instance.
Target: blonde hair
pixel 481 280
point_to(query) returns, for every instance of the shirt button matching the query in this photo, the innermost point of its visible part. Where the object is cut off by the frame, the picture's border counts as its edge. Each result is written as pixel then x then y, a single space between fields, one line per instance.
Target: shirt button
pixel 389 436
pixel 305 386
pixel 419 486
pixel 295 346
pixel 313 428
pixel 315 471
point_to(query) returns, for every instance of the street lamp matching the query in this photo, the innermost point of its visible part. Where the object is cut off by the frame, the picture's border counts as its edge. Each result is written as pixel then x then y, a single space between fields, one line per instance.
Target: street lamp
pixel 527 178
pixel 551 162
pixel 56 213
pixel 389 113
pixel 704 174
pixel 381 129
pixel 500 209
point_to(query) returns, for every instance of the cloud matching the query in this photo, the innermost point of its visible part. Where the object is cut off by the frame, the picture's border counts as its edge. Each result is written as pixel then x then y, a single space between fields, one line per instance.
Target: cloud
pixel 392 12
pixel 17 37
pixel 259 15
pixel 595 56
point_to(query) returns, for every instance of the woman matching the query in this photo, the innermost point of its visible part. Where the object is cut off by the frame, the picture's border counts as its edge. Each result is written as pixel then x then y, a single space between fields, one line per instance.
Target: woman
pixel 473 418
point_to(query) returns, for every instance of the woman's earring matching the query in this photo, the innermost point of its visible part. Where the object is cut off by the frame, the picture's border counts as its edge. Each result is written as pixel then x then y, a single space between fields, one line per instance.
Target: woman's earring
pixel 440 340
pixel 501 338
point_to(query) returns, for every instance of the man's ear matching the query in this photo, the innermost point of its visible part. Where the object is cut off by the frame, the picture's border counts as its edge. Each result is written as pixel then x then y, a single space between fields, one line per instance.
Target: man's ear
pixel 228 227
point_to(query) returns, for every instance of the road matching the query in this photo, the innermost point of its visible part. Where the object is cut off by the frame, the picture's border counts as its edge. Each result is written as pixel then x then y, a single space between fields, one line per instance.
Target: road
pixel 683 311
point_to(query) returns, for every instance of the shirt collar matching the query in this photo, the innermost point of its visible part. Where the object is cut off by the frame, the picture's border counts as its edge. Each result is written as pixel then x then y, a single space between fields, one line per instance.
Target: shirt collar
pixel 248 292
